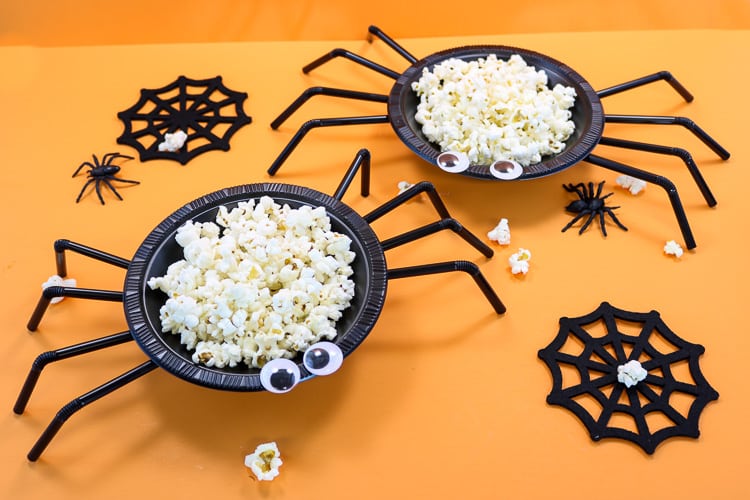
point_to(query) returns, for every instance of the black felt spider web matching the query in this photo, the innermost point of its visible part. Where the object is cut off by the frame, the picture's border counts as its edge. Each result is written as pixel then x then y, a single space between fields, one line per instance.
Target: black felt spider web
pixel 207 111
pixel 649 407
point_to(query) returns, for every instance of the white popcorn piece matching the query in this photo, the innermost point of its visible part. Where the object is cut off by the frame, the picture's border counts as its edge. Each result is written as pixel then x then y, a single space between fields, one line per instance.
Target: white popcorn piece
pixel 673 248
pixel 519 261
pixel 501 233
pixel 491 109
pixel 263 281
pixel 173 142
pixel 630 183
pixel 56 280
pixel 403 186
pixel 265 461
pixel 631 373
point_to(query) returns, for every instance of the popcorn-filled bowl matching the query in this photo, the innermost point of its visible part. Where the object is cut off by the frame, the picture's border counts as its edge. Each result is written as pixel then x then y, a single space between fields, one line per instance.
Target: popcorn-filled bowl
pixel 587 113
pixel 160 249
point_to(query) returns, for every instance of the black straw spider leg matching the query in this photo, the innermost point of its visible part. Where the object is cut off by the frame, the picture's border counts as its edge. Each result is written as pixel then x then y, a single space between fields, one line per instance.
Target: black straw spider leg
pixel 72 407
pixel 401 198
pixel 52 292
pixel 327 91
pixel 48 294
pixel 661 75
pixel 446 222
pixel 374 30
pixel 352 57
pixel 111 188
pixel 62 245
pixel 325 122
pixel 434 227
pixel 659 180
pixel 672 120
pixel 444 267
pixel 362 158
pixel 683 154
pixel 48 357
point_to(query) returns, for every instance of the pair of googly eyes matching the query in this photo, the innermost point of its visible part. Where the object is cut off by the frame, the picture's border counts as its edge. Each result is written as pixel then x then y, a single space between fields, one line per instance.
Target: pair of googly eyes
pixel 456 162
pixel 281 375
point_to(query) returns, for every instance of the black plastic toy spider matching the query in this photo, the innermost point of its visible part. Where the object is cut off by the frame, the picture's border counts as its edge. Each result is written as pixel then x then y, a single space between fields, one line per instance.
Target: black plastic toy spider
pixel 592 204
pixel 103 172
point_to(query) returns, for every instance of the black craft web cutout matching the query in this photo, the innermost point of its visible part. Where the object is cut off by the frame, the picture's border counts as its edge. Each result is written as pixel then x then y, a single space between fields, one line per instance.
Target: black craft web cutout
pixel 667 403
pixel 206 110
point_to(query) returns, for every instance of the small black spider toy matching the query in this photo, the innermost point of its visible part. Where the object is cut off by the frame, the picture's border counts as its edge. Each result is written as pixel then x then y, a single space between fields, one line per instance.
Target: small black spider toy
pixel 592 204
pixel 102 172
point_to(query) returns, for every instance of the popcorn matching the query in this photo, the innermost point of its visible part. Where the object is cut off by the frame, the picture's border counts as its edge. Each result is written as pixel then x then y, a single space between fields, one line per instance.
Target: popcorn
pixel 501 233
pixel 493 110
pixel 56 280
pixel 173 142
pixel 519 261
pixel 631 373
pixel 632 184
pixel 265 461
pixel 404 186
pixel 262 282
pixel 673 248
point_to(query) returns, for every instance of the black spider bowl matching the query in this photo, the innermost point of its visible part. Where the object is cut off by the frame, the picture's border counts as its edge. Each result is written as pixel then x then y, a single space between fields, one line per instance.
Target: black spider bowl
pixel 587 113
pixel 160 249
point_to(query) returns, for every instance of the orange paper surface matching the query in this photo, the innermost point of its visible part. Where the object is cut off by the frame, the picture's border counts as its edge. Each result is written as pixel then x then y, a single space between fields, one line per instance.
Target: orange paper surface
pixel 444 399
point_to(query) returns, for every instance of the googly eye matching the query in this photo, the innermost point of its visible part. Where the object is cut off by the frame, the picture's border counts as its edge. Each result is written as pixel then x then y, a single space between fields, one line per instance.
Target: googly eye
pixel 279 375
pixel 506 169
pixel 453 161
pixel 323 358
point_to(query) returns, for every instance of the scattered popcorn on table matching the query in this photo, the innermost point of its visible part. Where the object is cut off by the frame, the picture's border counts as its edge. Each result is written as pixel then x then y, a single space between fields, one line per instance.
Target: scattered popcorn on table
pixel 263 282
pixel 519 261
pixel 265 461
pixel 501 233
pixel 673 248
pixel 631 373
pixel 173 142
pixel 493 109
pixel 56 280
pixel 403 186
pixel 632 184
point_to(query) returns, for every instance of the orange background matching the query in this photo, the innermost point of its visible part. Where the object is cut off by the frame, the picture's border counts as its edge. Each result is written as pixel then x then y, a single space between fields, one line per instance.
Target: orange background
pixel 444 399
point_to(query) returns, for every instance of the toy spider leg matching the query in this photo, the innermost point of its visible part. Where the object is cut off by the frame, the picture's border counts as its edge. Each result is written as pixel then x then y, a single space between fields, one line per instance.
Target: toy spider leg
pixel 82 293
pixel 446 222
pixel 660 181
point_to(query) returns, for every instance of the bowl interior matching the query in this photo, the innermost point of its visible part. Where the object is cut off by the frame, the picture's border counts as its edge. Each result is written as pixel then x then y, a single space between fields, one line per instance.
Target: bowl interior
pixel 586 114
pixel 160 249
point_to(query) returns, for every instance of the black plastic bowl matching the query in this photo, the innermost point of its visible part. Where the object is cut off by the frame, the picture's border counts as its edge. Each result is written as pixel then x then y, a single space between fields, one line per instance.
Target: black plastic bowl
pixel 587 112
pixel 160 249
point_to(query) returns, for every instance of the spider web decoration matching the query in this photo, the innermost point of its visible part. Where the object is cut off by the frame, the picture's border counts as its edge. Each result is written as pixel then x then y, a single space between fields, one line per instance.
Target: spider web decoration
pixel 207 111
pixel 584 360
